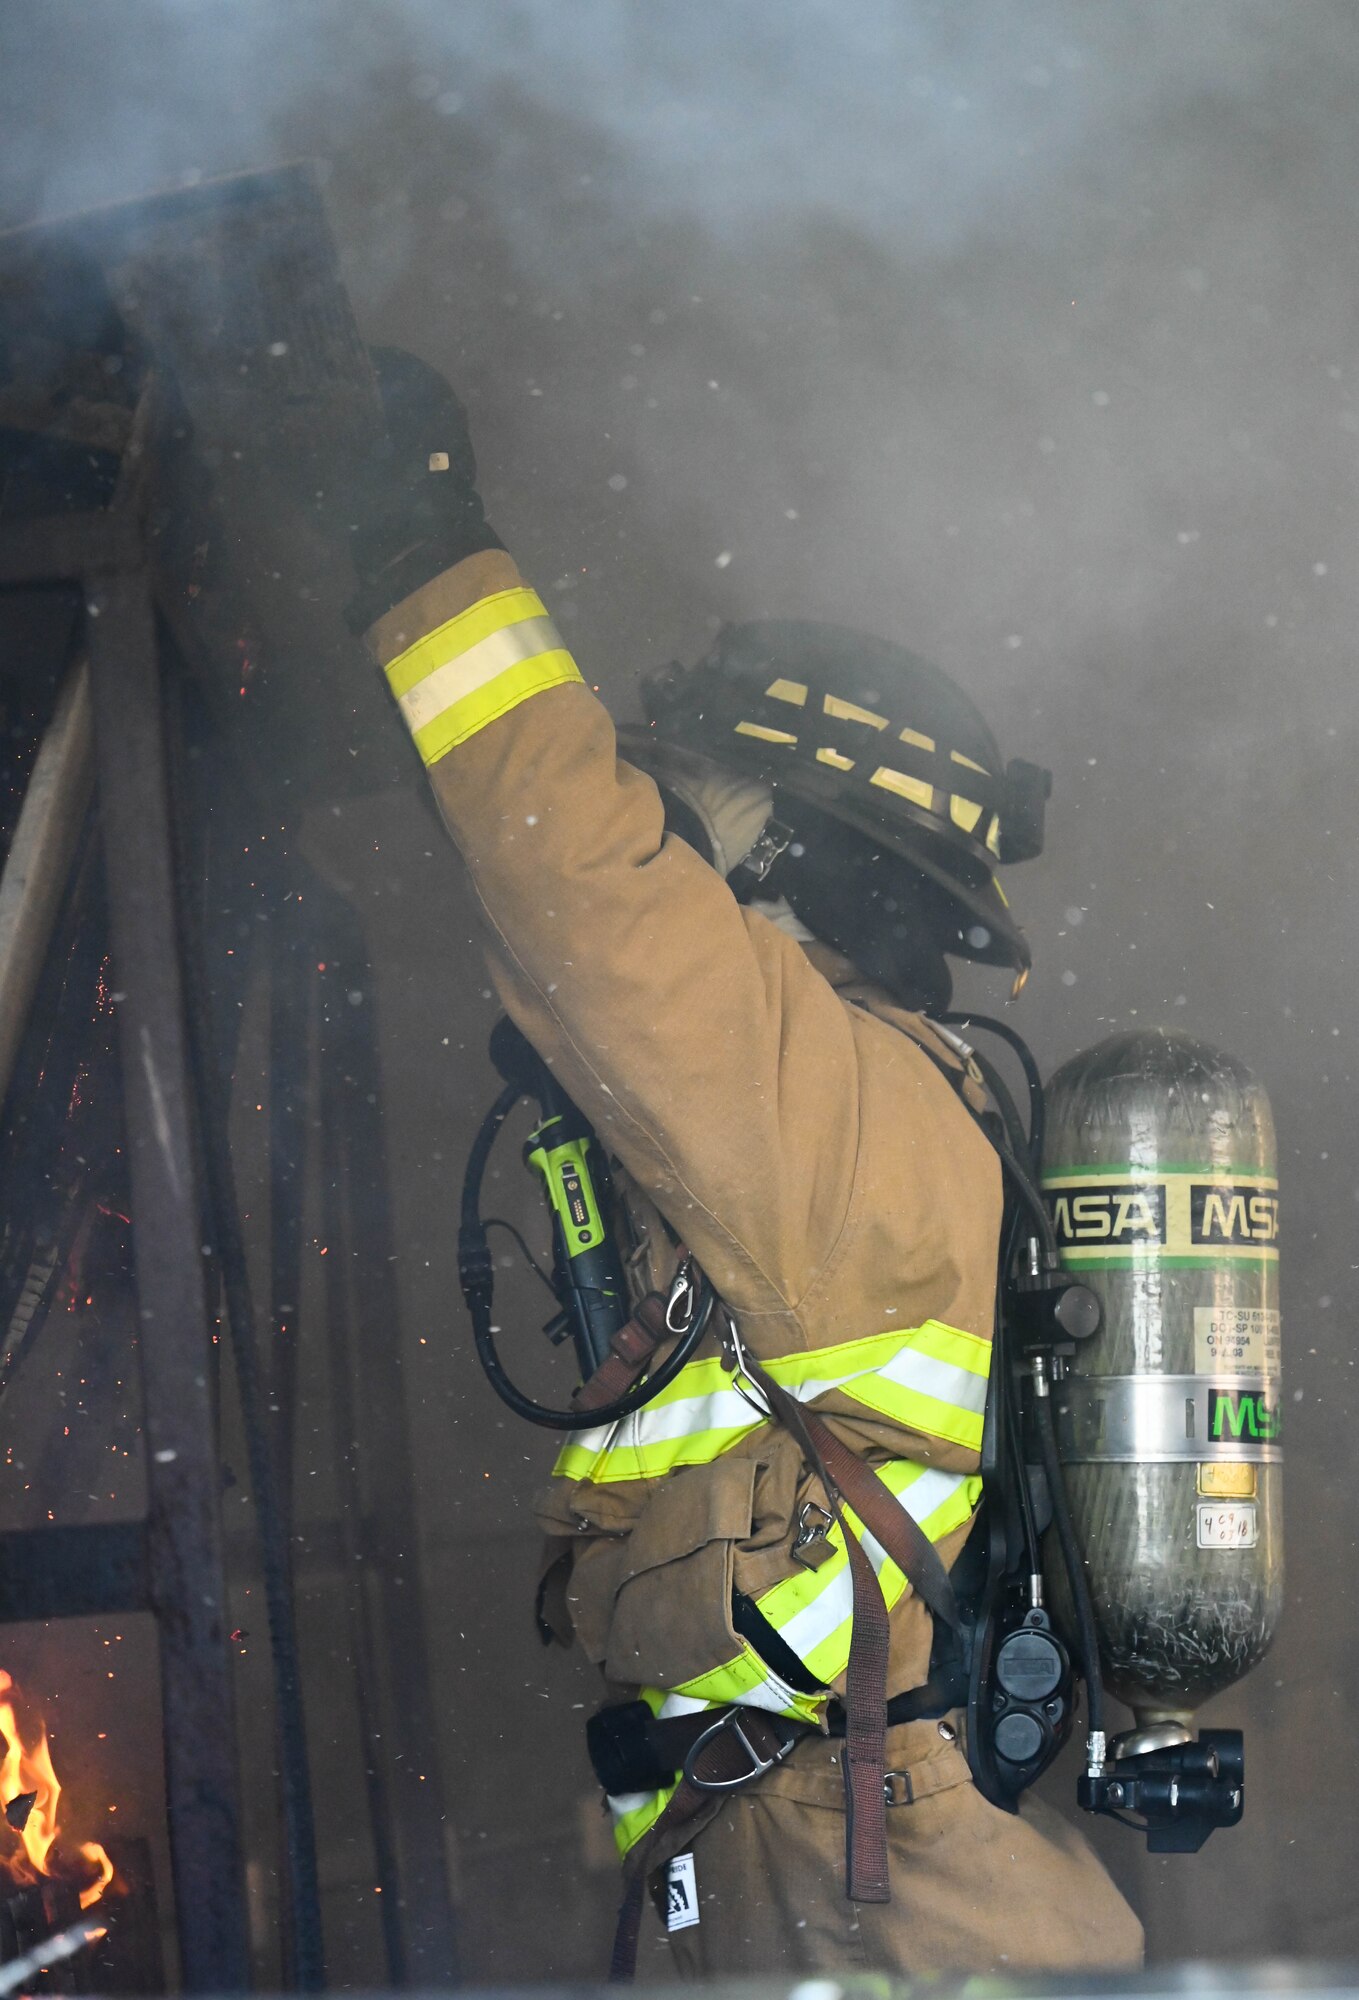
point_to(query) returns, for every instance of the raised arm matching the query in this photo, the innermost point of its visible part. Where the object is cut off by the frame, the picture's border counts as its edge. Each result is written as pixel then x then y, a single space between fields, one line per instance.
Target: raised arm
pixel 714 1059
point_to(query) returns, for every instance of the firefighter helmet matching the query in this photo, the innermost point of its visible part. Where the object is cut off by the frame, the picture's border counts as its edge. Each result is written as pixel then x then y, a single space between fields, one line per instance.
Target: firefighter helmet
pixel 871 736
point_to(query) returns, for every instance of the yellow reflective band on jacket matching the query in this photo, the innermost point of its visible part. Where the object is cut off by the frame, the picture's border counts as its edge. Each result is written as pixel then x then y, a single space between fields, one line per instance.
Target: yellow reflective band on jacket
pixel 813 1613
pixel 930 1379
pixel 478 666
pixel 635 1813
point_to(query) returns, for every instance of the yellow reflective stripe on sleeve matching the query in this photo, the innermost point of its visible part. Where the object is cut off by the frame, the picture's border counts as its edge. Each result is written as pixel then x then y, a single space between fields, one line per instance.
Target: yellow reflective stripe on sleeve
pixel 458 635
pixel 478 666
pixel 930 1378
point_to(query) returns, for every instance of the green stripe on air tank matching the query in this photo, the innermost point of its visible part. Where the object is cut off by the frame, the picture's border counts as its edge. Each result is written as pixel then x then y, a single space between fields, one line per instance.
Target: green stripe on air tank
pixel 1152 1259
pixel 1125 1173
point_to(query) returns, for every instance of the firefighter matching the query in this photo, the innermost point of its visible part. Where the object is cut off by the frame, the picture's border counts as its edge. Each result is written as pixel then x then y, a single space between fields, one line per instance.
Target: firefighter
pixel 723 945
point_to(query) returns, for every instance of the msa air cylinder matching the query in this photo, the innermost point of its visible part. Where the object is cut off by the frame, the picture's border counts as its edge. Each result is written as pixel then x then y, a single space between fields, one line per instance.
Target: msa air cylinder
pixel 1160 1173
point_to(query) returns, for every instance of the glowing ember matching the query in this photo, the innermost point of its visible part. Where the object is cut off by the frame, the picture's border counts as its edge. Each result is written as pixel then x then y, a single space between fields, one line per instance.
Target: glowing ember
pixel 29 1791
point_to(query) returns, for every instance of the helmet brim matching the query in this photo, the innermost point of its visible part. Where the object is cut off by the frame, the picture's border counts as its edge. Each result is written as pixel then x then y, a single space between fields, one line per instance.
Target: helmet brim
pixel 971 886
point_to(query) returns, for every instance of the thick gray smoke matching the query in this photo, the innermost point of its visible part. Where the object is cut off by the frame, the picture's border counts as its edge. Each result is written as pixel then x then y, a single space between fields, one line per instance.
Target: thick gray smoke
pixel 1023 334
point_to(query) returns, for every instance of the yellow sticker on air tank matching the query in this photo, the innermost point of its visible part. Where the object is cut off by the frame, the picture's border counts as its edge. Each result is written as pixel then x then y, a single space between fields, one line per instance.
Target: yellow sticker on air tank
pixel 1225 1479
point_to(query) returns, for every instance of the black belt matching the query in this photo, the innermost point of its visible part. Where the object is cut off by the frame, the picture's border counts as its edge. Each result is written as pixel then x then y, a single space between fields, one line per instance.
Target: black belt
pixel 633 1750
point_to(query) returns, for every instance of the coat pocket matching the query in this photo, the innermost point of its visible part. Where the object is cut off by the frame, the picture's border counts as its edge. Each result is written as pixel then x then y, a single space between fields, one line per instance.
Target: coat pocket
pixel 671 1616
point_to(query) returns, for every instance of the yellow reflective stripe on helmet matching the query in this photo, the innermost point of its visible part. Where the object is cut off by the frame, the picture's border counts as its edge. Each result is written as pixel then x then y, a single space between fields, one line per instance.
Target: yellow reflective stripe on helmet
pixel 849 711
pixel 918 790
pixel 476 667
pixel 930 1378
pixel 763 733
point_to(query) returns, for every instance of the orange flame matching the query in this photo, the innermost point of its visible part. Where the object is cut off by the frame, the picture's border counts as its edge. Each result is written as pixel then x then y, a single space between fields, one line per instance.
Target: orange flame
pixel 27 1769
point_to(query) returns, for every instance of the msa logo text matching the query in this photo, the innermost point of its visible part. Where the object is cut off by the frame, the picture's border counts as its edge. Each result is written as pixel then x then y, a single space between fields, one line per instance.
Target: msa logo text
pixel 1231 1214
pixel 1118 1213
pixel 1235 1415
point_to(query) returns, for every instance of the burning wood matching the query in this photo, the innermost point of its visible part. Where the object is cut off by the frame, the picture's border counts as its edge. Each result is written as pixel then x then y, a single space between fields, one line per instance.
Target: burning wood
pixel 29 1791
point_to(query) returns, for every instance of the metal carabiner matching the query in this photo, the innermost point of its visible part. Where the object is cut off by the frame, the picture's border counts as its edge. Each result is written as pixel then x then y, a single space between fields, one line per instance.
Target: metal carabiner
pixel 758 1764
pixel 744 1388
pixel 682 1287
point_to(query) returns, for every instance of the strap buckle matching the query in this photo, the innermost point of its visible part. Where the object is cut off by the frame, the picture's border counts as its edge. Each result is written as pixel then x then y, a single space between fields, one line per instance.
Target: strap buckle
pixel 732 1721
pixel 897 1789
pixel 813 1529
pixel 768 845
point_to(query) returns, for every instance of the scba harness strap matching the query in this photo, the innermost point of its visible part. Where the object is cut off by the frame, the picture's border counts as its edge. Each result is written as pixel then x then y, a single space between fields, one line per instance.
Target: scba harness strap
pixel 741 1745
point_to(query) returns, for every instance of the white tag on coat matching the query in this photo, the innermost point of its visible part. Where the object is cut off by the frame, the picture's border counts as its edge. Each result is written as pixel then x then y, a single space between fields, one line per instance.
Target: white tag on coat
pixel 681 1895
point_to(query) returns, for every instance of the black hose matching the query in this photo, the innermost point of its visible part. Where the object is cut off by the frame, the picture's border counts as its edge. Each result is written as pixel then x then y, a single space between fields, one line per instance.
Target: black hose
pixel 1032 1076
pixel 1014 1433
pixel 475 1171
pixel 499 1222
pixel 476 1274
pixel 1073 1562
pixel 608 1413
pixel 1015 1129
pixel 1022 1183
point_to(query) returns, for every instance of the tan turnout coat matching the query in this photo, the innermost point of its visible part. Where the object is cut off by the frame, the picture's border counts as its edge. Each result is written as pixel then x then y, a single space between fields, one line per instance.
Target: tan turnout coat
pixel 783 1118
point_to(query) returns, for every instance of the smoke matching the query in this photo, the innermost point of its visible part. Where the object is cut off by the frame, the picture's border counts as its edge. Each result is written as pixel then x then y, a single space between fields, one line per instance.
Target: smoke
pixel 1022 335
pixel 920 124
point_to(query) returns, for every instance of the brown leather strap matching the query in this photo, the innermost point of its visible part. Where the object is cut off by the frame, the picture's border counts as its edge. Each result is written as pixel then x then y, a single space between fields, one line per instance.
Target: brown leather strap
pixel 847 1478
pixel 888 1522
pixel 740 1746
pixel 844 1477
pixel 630 1352
pixel 865 1700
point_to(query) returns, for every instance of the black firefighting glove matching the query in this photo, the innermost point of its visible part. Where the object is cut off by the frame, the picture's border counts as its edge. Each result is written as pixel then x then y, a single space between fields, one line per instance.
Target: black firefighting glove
pixel 415 509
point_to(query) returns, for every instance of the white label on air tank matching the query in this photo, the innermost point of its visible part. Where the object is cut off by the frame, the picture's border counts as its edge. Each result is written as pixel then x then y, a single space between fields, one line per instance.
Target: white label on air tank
pixel 1236 1340
pixel 1235 1527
